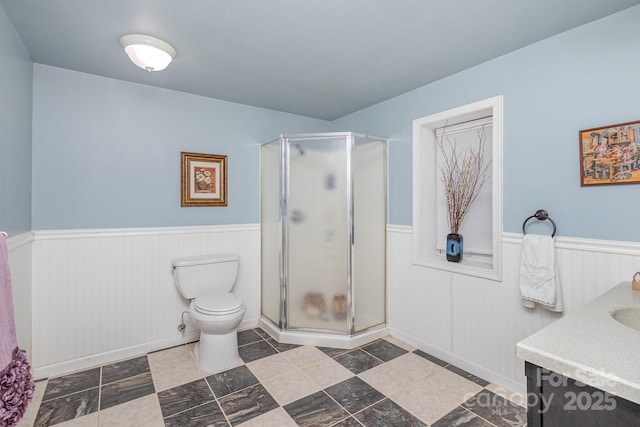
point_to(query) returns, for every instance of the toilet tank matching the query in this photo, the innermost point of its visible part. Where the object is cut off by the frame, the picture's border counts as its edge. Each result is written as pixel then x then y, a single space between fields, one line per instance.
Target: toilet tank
pixel 205 274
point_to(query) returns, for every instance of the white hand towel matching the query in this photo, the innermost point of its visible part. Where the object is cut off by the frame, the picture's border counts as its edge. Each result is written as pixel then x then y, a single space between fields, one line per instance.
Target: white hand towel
pixel 539 273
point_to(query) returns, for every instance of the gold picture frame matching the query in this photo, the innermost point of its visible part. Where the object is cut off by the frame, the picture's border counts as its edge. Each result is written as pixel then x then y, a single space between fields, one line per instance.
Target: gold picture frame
pixel 203 179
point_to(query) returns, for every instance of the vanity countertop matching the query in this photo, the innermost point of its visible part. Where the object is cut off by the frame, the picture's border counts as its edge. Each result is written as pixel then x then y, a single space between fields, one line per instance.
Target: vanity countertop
pixel 588 345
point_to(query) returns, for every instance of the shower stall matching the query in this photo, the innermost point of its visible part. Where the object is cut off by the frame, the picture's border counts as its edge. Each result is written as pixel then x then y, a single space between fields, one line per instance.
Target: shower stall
pixel 323 221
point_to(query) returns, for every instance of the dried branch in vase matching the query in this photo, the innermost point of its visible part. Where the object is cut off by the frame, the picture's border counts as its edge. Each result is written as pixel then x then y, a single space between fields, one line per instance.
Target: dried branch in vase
pixel 463 176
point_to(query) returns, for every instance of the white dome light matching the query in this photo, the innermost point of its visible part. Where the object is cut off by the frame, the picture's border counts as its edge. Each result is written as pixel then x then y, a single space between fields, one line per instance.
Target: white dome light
pixel 148 53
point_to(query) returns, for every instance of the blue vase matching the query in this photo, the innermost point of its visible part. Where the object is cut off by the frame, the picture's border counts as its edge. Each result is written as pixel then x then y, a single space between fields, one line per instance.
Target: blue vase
pixel 454 247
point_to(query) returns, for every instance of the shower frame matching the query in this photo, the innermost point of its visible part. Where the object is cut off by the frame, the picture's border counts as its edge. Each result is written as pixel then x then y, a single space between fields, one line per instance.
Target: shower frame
pixel 283 331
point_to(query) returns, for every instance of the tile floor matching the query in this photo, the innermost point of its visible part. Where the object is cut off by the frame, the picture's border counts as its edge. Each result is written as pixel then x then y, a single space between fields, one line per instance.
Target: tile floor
pixel 384 383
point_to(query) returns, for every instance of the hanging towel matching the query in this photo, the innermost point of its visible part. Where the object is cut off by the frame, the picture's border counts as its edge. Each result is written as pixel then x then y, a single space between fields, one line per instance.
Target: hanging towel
pixel 539 281
pixel 16 383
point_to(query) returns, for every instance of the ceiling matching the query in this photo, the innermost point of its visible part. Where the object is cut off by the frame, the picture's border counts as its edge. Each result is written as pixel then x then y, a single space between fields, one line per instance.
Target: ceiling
pixel 317 58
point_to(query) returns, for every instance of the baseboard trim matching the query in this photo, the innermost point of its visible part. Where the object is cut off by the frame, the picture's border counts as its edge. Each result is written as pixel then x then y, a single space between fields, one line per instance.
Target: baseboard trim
pixel 248 324
pixel 68 366
pixel 470 367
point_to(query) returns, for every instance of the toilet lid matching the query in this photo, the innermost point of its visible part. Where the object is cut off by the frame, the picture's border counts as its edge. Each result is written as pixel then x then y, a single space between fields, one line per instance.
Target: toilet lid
pixel 223 303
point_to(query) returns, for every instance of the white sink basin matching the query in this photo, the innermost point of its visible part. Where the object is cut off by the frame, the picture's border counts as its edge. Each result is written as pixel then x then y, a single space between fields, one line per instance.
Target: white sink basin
pixel 629 316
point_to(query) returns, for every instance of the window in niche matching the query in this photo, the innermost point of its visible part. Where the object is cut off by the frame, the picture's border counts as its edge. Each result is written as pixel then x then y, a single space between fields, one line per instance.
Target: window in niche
pixel 483 223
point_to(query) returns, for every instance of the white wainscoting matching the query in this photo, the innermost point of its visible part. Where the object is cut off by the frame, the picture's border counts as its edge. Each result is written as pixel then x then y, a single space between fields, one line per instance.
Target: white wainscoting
pixel 476 323
pixel 102 295
pixel 20 265
pixel 107 294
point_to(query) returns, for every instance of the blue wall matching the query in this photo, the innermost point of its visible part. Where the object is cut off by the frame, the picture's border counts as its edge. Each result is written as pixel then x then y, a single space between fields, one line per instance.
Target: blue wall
pixel 584 78
pixel 106 153
pixel 15 130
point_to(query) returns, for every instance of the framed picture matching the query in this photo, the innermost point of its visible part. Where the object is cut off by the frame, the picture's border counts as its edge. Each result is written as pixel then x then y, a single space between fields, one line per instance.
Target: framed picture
pixel 610 155
pixel 204 179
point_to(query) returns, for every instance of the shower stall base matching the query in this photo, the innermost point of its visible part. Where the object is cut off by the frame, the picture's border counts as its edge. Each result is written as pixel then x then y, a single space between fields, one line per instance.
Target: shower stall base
pixel 322 338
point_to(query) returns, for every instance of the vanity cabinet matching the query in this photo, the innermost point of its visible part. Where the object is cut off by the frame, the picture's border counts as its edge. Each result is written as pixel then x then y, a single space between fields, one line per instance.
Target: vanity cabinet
pixel 554 400
pixel 589 345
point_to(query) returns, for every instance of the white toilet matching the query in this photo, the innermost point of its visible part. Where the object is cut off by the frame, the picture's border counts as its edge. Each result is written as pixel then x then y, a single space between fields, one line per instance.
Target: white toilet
pixel 207 281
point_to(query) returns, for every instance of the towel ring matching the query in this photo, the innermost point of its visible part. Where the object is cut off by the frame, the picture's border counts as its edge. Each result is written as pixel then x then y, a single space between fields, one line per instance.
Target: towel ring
pixel 540 215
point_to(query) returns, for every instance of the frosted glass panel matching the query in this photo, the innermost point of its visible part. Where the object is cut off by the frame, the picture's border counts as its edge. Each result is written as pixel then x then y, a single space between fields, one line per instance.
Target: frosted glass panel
pixel 369 225
pixel 317 234
pixel 323 224
pixel 270 229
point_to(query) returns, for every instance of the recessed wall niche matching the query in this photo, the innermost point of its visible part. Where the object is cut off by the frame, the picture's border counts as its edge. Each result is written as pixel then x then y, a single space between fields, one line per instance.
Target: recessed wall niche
pixel 482 227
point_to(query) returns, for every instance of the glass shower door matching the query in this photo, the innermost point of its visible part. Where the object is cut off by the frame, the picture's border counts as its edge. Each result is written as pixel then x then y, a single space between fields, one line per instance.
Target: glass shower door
pixel 317 232
pixel 271 233
pixel 368 172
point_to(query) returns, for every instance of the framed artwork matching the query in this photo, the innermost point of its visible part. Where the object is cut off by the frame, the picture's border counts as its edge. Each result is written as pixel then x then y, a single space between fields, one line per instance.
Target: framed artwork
pixel 204 179
pixel 610 155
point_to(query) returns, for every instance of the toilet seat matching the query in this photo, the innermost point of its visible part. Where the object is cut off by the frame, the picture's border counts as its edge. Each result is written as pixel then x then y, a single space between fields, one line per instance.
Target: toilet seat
pixel 218 304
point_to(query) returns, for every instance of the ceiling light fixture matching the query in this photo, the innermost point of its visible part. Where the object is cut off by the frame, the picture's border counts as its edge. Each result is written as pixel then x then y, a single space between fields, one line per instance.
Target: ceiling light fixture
pixel 148 53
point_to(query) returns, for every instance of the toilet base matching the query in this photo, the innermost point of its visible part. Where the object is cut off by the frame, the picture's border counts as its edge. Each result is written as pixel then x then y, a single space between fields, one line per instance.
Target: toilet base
pixel 217 352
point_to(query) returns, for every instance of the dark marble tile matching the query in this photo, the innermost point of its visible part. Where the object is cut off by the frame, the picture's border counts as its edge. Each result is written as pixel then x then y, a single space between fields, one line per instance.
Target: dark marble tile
pixel 317 409
pixel 281 347
pixel 468 376
pixel 357 361
pixel 333 352
pixel 431 358
pixel 183 397
pixel 460 417
pixel 66 408
pixel 248 336
pixel 72 383
pixel 384 350
pixel 255 351
pixel 388 413
pixel 207 415
pixel 262 333
pixel 230 381
pixel 496 409
pixel 124 369
pixel 125 390
pixel 246 404
pixel 349 422
pixel 354 394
